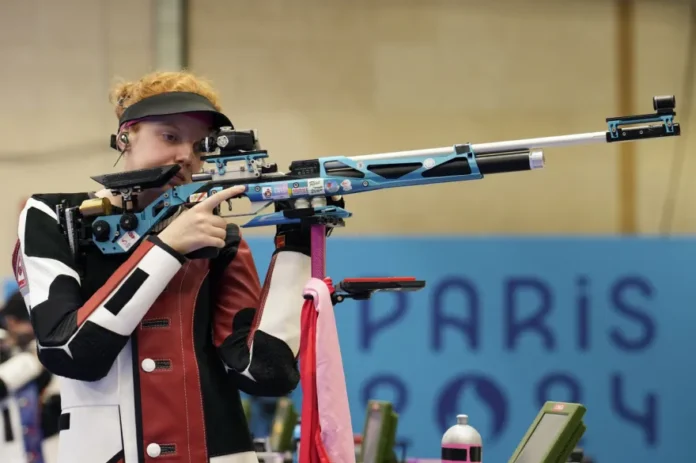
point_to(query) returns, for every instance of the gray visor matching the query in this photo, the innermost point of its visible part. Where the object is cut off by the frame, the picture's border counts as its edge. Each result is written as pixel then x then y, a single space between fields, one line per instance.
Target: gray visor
pixel 173 103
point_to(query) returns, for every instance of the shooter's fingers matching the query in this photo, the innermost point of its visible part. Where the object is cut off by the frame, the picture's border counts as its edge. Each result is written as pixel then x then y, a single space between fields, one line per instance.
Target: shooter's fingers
pixel 218 222
pixel 213 201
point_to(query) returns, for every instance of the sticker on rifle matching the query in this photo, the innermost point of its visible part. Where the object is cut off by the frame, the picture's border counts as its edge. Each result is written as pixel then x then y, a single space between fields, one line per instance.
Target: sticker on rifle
pixel 298 191
pixel 315 186
pixel 128 240
pixel 429 163
pixel 347 186
pixel 281 191
pixel 276 192
pixel 198 197
pixel 331 186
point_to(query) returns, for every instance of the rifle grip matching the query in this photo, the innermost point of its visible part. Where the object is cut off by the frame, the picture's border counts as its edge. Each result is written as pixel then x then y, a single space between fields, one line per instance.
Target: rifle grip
pixel 210 252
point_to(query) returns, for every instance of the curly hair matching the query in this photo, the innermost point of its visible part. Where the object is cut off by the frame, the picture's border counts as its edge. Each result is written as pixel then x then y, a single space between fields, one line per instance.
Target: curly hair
pixel 124 94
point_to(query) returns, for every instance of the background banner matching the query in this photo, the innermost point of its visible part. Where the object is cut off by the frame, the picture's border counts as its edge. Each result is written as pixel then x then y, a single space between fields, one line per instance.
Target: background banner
pixel 507 323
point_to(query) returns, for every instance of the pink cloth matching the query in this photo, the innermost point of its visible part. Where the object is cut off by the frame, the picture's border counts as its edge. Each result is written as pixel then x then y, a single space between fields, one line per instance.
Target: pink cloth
pixel 332 393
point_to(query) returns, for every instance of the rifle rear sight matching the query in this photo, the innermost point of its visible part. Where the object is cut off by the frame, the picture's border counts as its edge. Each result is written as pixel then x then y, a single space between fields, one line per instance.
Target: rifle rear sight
pixel 227 145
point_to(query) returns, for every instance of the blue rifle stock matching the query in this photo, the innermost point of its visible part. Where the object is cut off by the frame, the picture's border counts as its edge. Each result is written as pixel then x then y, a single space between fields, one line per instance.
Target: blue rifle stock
pixel 237 160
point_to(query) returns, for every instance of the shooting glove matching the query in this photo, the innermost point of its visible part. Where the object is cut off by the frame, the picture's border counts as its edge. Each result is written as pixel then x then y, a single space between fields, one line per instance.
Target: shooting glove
pixel 296 237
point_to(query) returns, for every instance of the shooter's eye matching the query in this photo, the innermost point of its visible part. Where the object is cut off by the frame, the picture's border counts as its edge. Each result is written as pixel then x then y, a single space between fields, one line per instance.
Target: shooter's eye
pixel 170 137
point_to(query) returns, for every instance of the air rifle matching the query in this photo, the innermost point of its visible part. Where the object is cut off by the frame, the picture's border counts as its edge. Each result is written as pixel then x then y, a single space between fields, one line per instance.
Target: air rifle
pixel 237 159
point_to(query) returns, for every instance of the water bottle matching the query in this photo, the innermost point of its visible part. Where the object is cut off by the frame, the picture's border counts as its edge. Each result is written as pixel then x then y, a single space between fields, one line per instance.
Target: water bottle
pixel 462 442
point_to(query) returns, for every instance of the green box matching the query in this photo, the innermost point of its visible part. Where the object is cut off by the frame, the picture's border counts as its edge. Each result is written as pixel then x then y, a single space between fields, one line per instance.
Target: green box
pixel 565 454
pixel 552 436
pixel 246 406
pixel 283 426
pixel 379 434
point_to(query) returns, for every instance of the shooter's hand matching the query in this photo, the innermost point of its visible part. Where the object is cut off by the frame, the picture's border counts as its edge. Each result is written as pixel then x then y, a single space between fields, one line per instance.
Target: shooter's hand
pixel 199 227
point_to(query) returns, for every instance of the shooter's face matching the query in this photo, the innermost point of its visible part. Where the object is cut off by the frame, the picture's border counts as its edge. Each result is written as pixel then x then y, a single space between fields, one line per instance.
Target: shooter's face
pixel 168 140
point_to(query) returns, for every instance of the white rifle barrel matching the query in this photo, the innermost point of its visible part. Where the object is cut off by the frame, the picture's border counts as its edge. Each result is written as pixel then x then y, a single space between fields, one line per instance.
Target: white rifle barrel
pixel 495 147
pixel 544 142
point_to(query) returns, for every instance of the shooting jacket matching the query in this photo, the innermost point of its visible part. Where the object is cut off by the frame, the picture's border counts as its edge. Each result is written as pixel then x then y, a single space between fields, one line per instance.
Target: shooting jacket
pixel 152 349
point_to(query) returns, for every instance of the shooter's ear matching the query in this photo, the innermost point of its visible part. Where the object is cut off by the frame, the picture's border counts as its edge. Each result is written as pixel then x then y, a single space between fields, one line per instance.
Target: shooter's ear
pixel 120 142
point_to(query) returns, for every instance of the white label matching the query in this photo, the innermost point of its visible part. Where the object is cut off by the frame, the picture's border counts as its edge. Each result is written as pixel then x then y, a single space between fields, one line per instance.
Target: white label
pixel 315 186
pixel 128 240
pixel 198 197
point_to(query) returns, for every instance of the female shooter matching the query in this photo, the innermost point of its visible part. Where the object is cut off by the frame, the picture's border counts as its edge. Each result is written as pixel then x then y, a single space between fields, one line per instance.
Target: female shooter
pixel 153 347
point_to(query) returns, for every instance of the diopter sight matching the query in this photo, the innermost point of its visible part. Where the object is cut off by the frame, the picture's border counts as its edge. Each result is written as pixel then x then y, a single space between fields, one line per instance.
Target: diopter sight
pixel 229 142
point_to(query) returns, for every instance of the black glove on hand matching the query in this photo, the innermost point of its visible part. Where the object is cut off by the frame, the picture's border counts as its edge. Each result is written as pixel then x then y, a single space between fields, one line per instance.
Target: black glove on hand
pixel 296 237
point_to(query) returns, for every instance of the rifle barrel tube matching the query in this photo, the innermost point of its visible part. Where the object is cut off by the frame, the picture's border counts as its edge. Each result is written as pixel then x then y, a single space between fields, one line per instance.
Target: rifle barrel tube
pixel 495 147
pixel 510 162
pixel 544 142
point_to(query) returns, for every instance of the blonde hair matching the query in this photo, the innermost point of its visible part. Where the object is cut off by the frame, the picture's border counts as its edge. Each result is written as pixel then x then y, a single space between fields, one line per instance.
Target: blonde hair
pixel 124 94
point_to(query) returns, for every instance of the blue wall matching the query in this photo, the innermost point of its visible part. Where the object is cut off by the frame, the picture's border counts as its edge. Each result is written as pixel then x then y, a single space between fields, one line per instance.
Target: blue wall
pixel 505 324
pixel 8 288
